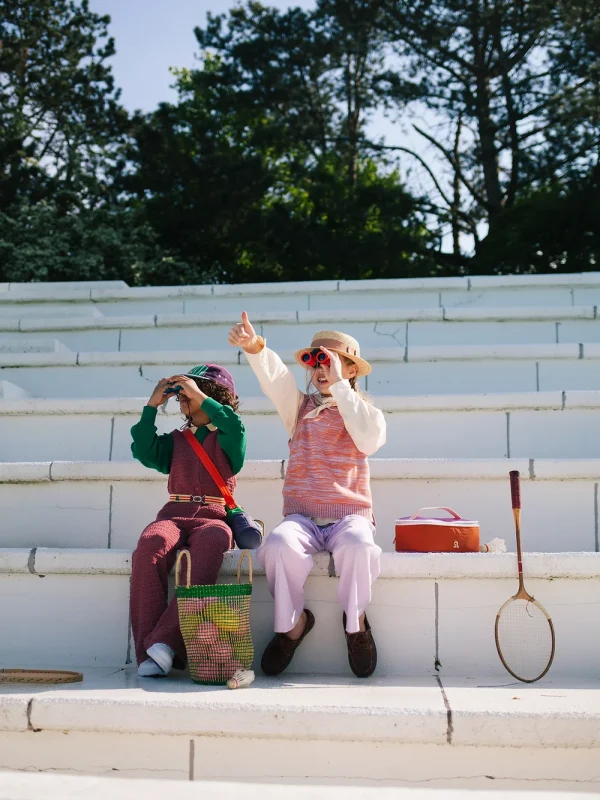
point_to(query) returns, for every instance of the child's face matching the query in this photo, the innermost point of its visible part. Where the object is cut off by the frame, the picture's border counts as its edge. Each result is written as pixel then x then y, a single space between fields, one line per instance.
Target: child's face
pixel 190 407
pixel 321 383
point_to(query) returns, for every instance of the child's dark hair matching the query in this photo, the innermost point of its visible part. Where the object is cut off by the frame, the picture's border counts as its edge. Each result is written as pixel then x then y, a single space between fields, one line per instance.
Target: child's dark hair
pixel 219 393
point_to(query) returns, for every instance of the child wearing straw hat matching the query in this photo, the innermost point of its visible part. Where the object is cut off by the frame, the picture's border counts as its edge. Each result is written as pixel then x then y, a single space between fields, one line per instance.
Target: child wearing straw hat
pixel 327 495
pixel 195 515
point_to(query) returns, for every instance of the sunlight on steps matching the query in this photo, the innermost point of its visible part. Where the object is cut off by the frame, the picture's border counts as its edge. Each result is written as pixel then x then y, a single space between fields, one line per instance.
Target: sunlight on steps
pixel 476 376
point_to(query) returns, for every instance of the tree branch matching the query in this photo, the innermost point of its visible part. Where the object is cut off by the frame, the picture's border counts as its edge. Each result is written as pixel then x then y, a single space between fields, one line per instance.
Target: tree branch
pixel 417 30
pixel 511 113
pixel 465 181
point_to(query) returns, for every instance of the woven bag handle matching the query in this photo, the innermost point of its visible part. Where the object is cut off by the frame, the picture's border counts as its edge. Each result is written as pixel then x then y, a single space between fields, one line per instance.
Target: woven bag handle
pixel 39 676
pixel 180 556
pixel 245 554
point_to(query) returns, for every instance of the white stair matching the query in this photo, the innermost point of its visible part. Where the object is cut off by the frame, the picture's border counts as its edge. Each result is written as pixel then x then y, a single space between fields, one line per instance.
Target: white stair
pixel 18 345
pixel 476 377
pixel 520 425
pixel 487 291
pixel 109 503
pixel 68 787
pixel 440 369
pixel 373 327
pixel 445 734
pixel 431 615
pixel 9 391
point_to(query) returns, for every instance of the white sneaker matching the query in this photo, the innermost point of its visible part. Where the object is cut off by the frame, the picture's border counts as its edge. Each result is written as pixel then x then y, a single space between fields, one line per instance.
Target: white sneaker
pixel 150 669
pixel 162 655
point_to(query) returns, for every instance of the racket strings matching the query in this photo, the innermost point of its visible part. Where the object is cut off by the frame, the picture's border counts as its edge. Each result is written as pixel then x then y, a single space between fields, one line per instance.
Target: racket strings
pixel 525 638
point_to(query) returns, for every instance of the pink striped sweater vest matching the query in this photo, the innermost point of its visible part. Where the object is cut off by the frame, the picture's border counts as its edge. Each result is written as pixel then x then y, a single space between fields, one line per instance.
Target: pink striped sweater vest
pixel 327 475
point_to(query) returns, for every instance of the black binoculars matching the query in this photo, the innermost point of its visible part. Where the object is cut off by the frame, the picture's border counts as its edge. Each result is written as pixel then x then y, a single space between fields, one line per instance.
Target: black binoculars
pixel 173 390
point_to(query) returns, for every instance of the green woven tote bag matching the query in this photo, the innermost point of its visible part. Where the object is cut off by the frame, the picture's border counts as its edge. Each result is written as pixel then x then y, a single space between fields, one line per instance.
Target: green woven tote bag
pixel 215 624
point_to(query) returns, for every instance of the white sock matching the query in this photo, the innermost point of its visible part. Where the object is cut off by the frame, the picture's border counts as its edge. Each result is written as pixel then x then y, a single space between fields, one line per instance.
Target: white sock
pixel 162 655
pixel 150 669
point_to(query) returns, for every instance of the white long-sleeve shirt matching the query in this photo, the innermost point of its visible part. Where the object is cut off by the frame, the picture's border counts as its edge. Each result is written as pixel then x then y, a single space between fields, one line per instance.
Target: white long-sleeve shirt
pixel 364 422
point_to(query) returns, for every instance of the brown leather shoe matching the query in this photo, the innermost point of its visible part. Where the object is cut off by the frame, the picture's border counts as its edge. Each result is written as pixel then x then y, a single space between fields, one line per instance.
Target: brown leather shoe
pixel 280 650
pixel 362 652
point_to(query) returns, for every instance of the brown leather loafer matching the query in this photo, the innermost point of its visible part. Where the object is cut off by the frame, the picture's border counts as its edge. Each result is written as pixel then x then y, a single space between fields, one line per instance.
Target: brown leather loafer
pixel 362 652
pixel 280 650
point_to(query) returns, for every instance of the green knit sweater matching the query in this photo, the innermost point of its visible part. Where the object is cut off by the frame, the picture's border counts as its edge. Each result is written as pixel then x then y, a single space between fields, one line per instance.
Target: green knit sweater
pixel 156 451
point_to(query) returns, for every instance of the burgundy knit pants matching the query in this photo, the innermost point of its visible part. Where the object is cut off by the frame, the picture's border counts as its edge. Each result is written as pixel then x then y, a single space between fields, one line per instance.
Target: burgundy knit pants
pixel 153 619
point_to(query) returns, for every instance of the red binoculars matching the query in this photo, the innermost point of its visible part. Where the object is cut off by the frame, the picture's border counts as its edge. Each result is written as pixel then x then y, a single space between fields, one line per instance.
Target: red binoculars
pixel 315 358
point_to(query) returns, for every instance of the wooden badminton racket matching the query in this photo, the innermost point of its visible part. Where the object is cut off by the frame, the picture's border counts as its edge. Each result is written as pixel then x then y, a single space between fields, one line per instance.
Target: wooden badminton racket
pixel 524 631
pixel 39 676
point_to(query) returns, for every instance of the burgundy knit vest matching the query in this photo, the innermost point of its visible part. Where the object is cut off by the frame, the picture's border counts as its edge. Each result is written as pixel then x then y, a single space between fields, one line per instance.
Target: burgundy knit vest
pixel 188 476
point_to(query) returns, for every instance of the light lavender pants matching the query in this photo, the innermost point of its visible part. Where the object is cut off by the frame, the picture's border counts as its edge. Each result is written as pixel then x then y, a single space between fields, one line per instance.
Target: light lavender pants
pixel 287 556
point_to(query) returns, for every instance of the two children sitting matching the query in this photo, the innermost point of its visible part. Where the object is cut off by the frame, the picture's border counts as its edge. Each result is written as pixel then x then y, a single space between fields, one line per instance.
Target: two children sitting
pixel 327 496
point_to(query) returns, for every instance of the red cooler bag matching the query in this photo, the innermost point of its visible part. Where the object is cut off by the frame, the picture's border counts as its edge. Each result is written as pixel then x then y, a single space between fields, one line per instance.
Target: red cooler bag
pixel 452 534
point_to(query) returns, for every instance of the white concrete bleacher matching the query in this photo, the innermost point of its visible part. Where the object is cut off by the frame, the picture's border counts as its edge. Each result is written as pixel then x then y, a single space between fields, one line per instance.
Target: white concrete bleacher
pixel 331 734
pixel 31 787
pixel 108 503
pixel 476 376
pixel 434 614
pixel 546 425
pixel 456 369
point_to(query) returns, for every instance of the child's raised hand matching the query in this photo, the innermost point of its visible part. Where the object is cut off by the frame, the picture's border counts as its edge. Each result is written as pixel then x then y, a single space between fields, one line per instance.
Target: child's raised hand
pixel 243 335
pixel 333 372
pixel 157 398
pixel 189 387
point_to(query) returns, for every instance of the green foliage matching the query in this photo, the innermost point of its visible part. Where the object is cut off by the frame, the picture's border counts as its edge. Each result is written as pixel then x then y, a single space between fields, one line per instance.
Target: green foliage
pixel 60 121
pixel 259 172
pixel 37 243
pixel 263 169
pixel 515 88
pixel 553 229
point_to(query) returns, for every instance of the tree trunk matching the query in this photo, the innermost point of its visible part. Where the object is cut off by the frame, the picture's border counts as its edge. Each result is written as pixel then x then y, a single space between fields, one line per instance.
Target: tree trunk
pixel 352 118
pixel 455 208
pixel 485 126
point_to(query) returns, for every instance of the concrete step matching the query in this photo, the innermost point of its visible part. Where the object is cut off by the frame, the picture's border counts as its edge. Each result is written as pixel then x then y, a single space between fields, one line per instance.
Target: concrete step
pixel 101 503
pixel 289 329
pixel 21 311
pixel 384 732
pixel 491 291
pixel 49 288
pixel 9 392
pixel 464 369
pixel 431 614
pixel 23 344
pixel 534 424
pixel 19 786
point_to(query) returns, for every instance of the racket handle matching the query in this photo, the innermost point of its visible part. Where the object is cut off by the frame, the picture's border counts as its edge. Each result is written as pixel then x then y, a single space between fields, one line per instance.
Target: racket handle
pixel 515 489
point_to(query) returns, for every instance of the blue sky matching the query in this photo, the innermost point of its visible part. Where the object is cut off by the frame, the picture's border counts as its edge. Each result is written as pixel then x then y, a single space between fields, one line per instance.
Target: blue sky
pixel 153 35
pixel 150 39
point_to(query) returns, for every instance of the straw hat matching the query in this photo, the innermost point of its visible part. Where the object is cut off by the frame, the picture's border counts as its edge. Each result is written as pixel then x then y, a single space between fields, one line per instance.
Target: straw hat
pixel 340 343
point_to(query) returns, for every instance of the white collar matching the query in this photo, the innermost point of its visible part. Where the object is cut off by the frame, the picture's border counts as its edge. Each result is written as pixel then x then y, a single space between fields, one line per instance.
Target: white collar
pixel 210 427
pixel 327 402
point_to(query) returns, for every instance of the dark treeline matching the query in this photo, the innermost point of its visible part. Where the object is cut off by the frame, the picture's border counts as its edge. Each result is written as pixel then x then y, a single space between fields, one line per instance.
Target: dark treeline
pixel 266 167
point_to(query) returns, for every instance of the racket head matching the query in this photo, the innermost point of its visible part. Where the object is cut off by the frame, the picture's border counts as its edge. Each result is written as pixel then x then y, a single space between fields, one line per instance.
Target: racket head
pixel 525 638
